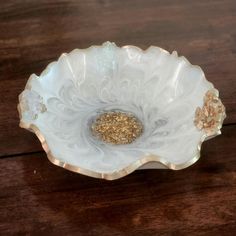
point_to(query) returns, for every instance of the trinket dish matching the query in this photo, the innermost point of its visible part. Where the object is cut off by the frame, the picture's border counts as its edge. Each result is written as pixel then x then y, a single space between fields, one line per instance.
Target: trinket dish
pixel 106 111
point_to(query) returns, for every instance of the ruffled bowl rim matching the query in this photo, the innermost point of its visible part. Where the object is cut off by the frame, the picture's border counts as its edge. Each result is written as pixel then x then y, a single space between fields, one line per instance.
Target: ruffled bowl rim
pixel 131 167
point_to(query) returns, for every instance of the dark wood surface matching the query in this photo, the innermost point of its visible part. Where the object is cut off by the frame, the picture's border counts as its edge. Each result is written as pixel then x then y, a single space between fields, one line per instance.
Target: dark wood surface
pixel 38 198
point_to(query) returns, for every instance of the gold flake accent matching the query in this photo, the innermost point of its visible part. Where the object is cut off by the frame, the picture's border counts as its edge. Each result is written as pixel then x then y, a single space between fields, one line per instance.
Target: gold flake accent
pixel 117 127
pixel 210 117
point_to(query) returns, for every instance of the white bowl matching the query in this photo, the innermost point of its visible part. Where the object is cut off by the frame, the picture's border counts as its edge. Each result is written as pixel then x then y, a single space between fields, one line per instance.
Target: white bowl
pixel 176 105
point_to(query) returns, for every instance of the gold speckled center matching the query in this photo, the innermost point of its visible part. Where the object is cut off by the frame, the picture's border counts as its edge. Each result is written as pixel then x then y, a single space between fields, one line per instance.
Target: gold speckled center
pixel 116 127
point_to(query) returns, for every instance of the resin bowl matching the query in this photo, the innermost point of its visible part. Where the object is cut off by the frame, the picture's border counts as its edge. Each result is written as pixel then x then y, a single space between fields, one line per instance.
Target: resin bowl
pixel 106 111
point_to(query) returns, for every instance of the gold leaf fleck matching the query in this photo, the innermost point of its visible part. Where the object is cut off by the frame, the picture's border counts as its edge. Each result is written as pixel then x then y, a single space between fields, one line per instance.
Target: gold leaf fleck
pixel 211 114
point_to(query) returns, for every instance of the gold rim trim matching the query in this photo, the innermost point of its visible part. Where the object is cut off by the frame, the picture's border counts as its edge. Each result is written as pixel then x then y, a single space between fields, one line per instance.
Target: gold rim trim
pixel 114 175
pixel 125 171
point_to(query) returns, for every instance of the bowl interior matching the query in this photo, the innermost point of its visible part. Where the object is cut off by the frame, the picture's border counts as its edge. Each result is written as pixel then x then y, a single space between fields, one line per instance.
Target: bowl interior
pixel 161 89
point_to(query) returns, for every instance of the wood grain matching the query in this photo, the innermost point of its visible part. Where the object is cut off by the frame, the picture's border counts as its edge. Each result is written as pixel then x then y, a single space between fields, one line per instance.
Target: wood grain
pixel 33 33
pixel 38 198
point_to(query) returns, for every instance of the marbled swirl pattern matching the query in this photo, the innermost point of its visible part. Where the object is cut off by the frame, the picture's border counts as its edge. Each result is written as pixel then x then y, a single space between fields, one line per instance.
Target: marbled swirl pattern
pixel 161 89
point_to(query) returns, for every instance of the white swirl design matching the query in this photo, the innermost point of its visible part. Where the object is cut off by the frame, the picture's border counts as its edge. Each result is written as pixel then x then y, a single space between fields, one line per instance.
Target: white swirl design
pixel 162 90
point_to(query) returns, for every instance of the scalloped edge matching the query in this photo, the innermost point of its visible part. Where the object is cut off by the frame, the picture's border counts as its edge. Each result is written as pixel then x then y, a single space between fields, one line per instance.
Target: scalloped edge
pixel 130 168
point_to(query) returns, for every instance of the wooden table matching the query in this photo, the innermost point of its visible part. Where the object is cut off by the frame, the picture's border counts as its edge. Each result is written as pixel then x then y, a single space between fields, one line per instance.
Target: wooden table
pixel 38 198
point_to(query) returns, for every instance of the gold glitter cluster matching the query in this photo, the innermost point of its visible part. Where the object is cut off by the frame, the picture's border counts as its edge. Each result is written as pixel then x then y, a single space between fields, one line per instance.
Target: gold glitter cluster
pixel 210 117
pixel 117 127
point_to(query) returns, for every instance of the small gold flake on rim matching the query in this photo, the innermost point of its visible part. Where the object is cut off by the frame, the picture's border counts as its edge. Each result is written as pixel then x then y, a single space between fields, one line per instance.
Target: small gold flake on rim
pixel 117 127
pixel 210 117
